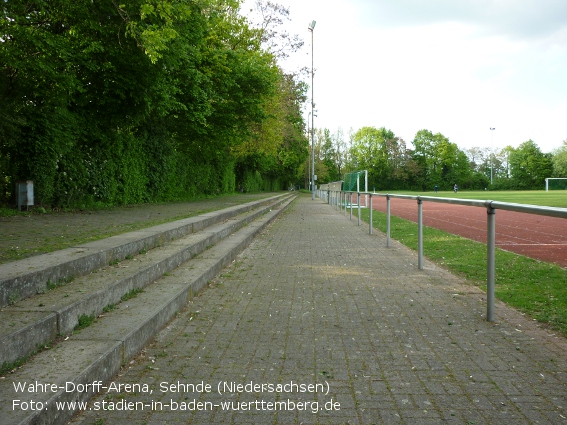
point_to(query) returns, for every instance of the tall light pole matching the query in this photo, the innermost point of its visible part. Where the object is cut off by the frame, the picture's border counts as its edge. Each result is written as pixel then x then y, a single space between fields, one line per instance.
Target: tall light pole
pixel 311 29
pixel 491 151
pixel 309 159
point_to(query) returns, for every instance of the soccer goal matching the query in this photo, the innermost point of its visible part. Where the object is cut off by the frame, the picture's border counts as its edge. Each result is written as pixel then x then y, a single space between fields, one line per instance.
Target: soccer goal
pixel 357 181
pixel 555 183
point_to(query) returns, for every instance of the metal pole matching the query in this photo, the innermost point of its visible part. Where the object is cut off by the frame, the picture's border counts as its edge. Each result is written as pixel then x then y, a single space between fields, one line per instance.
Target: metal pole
pixel 490 260
pixel 370 211
pixel 388 221
pixel 491 151
pixel 419 234
pixel 366 186
pixel 358 200
pixel 350 195
pixel 309 159
pixel 312 28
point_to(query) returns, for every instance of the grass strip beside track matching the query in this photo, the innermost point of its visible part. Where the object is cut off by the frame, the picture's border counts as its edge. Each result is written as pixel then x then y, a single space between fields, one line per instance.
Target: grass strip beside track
pixel 533 287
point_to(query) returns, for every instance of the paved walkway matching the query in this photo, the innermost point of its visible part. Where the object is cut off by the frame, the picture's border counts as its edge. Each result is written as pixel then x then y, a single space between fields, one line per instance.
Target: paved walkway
pixel 316 300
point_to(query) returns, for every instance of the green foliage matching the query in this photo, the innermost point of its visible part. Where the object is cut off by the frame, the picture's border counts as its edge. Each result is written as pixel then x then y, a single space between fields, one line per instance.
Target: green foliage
pixel 440 161
pixel 85 321
pixel 328 157
pixel 252 181
pixel 131 294
pixel 529 166
pixel 107 104
pixel 389 162
pixel 559 161
pixel 523 168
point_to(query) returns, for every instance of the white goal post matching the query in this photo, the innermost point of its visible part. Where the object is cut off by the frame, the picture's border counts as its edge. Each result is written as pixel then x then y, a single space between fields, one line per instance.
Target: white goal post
pixel 354 178
pixel 563 186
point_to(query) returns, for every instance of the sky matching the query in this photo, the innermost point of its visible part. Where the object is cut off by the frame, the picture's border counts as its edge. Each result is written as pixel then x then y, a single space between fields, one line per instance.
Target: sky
pixel 454 67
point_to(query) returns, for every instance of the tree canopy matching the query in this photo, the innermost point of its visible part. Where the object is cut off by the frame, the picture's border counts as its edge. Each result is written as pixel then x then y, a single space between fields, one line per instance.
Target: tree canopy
pixel 144 101
pixel 433 160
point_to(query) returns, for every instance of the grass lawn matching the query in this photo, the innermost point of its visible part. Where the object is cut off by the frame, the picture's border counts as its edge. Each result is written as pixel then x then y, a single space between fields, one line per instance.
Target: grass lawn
pixel 553 198
pixel 533 287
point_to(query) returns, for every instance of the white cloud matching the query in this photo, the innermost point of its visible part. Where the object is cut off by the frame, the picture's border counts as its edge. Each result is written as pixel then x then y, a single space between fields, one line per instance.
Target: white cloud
pixel 515 18
pixel 455 67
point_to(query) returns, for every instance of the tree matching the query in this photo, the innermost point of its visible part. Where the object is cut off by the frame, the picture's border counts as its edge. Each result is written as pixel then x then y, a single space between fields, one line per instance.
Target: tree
pixel 329 155
pixel 369 151
pixel 441 162
pixel 147 100
pixel 275 40
pixel 529 167
pixel 340 150
pixel 276 147
pixel 559 160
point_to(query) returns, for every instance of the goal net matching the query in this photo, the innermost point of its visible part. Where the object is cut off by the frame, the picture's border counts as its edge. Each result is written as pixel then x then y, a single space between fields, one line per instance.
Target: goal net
pixel 356 181
pixel 555 183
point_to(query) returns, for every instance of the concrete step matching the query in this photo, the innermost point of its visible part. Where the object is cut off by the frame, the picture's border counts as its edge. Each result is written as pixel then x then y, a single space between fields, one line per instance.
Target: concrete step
pixel 79 365
pixel 36 322
pixel 25 278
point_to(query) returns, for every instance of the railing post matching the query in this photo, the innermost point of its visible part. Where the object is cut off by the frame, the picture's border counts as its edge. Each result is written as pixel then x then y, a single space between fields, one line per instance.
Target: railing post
pixel 387 221
pixel 370 212
pixel 419 234
pixel 358 202
pixel 490 260
pixel 350 196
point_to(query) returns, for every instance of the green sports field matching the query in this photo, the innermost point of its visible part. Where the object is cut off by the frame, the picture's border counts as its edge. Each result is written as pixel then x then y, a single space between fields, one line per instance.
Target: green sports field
pixel 553 198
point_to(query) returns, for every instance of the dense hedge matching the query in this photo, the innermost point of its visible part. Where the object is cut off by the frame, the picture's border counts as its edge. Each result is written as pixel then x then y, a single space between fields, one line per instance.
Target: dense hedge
pixel 106 104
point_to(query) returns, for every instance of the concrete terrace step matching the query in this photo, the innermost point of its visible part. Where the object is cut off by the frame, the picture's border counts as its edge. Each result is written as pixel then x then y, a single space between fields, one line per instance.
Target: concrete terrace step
pixel 25 278
pixel 38 320
pixel 96 353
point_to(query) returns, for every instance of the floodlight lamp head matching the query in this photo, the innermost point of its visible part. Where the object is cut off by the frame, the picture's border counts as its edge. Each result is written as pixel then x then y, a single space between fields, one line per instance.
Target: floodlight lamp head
pixel 312 25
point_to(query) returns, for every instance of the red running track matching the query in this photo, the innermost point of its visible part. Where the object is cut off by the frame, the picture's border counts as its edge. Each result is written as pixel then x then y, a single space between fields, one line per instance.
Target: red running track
pixel 535 236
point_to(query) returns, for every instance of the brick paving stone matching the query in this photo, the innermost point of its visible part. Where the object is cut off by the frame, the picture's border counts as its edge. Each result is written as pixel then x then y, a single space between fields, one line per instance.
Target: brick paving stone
pixel 316 300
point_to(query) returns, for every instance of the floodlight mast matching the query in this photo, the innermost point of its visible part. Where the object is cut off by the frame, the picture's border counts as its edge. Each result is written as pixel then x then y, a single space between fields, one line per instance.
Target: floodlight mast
pixel 311 29
pixel 491 151
pixel 309 159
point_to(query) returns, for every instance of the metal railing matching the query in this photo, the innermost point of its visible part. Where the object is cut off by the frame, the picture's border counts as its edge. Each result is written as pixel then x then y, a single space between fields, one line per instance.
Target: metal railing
pixel 343 199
